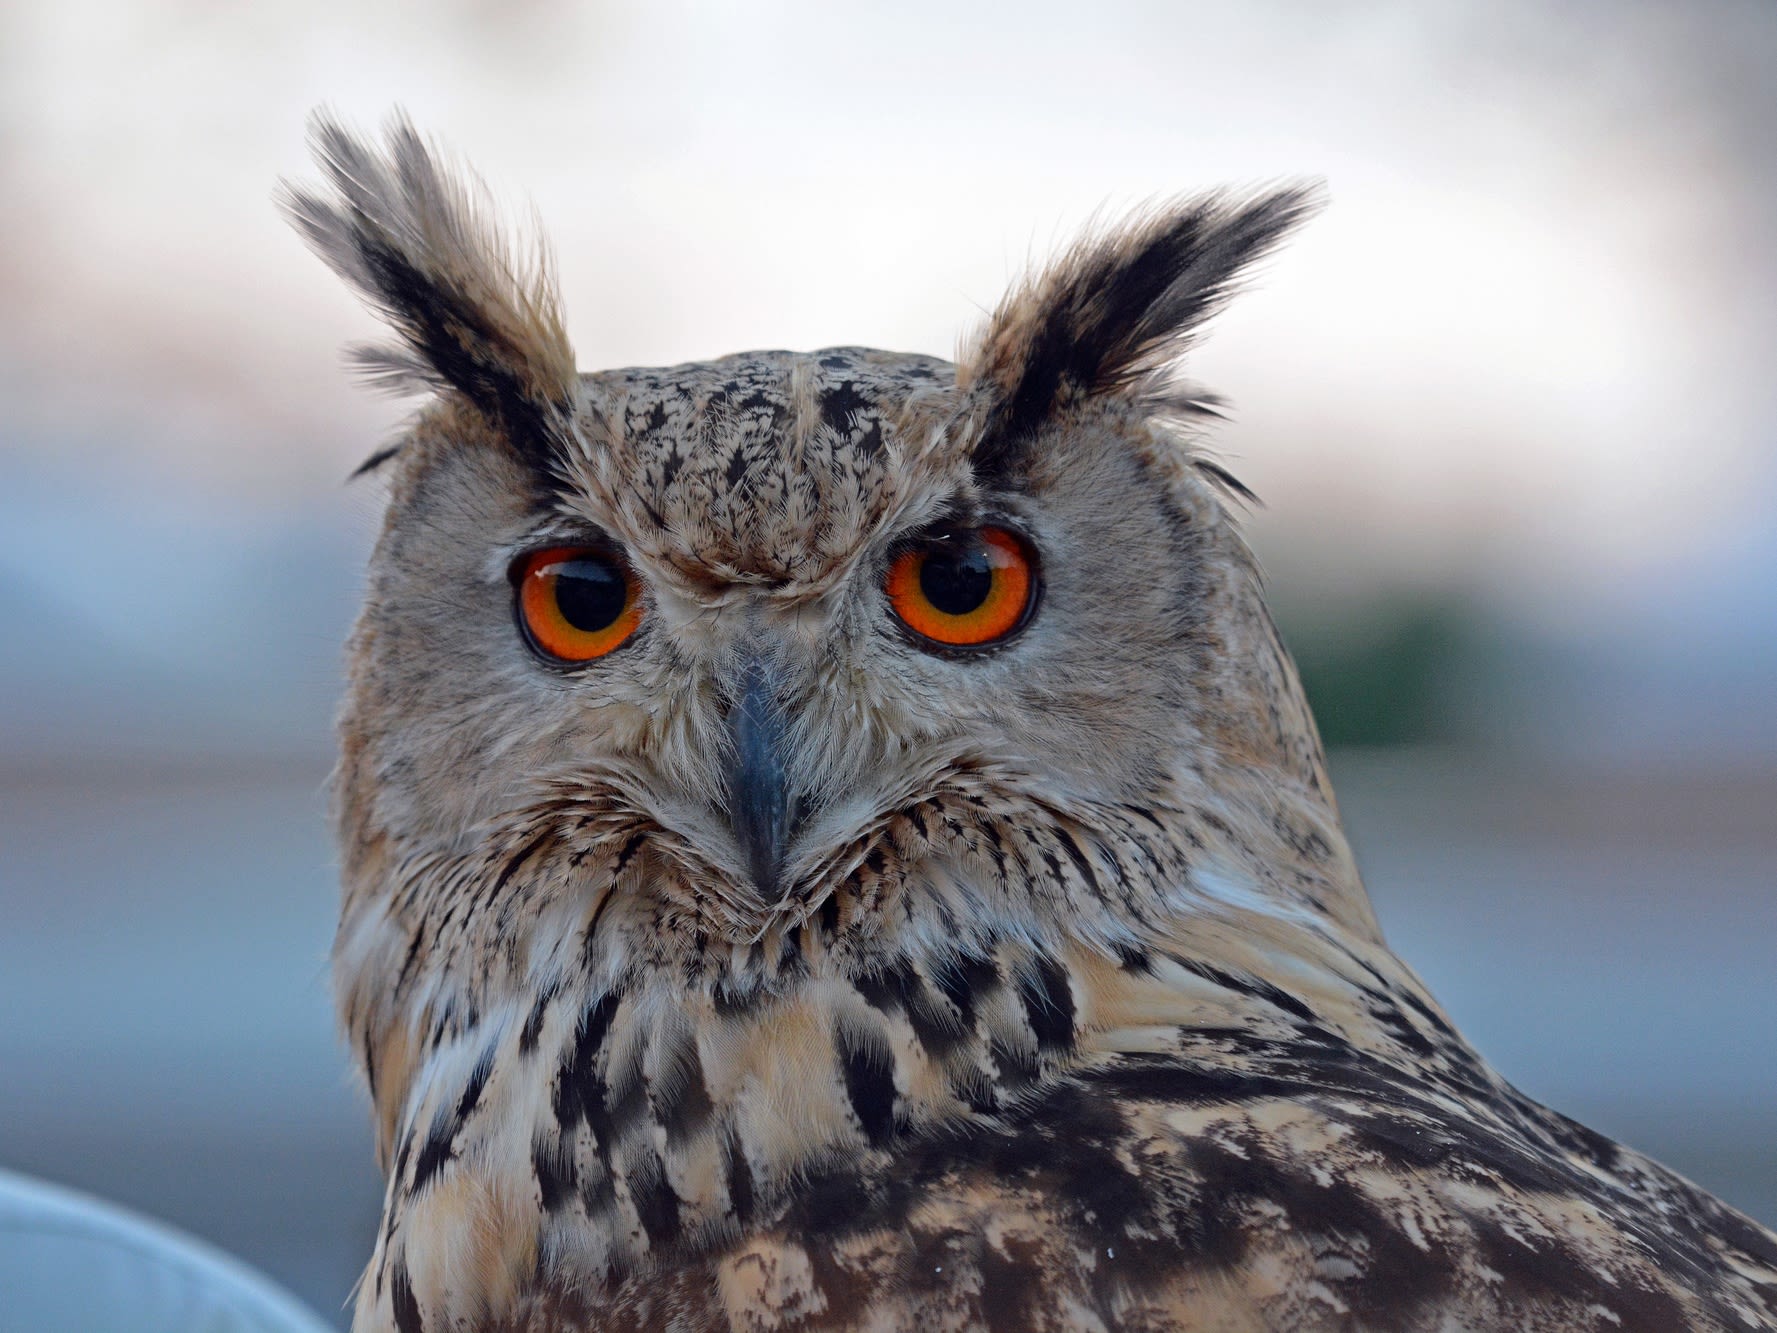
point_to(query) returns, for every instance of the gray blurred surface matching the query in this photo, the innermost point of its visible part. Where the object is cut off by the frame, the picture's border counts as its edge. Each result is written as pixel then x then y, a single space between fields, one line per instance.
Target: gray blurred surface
pixel 169 1041
pixel 1606 940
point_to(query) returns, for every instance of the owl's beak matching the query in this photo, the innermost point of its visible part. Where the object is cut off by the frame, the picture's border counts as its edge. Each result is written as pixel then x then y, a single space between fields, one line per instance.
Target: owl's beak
pixel 759 809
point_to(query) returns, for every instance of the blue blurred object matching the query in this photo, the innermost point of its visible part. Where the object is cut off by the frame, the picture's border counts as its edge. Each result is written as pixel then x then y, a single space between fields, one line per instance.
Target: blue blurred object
pixel 69 1262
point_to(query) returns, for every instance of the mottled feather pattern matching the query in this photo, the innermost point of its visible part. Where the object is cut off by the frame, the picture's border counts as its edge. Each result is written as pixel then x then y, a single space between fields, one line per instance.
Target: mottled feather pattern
pixel 1067 1010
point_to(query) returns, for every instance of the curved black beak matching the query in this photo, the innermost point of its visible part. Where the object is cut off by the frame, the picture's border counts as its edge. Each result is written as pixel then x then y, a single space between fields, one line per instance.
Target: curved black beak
pixel 759 809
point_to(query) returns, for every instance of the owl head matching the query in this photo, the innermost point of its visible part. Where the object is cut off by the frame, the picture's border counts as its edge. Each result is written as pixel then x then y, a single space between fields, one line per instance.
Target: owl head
pixel 768 668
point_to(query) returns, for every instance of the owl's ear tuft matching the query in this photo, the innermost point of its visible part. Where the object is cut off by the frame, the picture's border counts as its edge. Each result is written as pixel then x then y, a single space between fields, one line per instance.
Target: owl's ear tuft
pixel 1115 312
pixel 414 239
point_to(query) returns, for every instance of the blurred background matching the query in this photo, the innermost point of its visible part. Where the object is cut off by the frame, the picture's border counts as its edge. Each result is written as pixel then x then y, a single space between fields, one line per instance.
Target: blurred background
pixel 1509 404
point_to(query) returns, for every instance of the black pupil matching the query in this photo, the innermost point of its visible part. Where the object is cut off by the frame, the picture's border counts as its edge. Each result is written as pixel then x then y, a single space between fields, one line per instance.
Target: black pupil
pixel 956 579
pixel 591 594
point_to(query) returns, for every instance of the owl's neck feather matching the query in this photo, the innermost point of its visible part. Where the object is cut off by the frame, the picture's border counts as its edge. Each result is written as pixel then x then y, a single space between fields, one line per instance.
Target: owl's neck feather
pixel 548 1075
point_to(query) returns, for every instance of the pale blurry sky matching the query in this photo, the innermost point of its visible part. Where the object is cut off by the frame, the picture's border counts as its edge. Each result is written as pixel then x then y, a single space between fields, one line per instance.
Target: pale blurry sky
pixel 1525 350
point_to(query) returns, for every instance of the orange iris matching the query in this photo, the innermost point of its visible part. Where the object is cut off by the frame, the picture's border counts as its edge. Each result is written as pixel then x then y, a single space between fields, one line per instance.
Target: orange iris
pixel 577 603
pixel 964 591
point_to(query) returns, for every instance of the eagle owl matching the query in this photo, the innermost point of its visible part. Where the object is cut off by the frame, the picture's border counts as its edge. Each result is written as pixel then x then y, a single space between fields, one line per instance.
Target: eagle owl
pixel 833 841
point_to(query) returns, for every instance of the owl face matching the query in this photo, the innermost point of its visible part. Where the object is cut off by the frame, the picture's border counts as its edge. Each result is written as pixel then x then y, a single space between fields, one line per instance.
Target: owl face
pixel 754 610
pixel 691 660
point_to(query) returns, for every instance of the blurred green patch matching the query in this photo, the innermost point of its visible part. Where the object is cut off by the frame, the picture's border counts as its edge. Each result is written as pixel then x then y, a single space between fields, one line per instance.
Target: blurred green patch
pixel 1401 671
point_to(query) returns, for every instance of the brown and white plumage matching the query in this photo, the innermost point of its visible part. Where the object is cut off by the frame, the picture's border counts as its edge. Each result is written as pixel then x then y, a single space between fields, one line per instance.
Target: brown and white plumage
pixel 1046 997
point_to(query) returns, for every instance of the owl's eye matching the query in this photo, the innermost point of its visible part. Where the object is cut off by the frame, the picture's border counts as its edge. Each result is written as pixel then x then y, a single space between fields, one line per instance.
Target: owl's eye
pixel 968 590
pixel 576 603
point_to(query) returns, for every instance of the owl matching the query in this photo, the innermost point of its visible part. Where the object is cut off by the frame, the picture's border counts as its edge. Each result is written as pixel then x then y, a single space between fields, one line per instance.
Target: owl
pixel 834 841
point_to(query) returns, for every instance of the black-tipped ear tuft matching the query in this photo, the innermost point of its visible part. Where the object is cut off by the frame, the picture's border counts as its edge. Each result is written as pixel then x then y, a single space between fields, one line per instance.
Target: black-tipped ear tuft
pixel 415 241
pixel 1115 312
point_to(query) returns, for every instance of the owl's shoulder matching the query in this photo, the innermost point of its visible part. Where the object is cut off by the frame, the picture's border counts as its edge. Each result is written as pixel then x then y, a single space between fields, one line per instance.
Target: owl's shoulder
pixel 1311 1188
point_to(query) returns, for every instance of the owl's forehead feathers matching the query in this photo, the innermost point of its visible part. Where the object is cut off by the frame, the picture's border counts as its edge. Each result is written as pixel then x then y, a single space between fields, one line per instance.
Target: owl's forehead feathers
pixel 764 468
pixel 768 469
